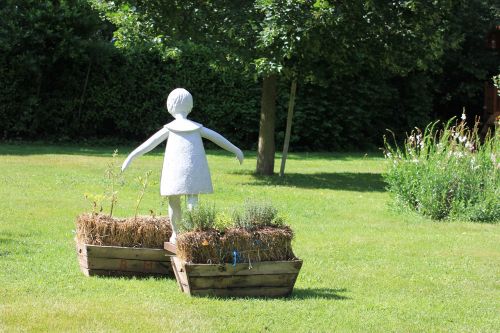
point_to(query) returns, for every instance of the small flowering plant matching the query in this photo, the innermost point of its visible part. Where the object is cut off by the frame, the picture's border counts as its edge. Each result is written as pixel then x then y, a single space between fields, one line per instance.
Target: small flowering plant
pixel 447 173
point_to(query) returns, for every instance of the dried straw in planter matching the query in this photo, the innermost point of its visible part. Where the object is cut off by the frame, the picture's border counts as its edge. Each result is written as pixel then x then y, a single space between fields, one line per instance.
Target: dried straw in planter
pixel 143 231
pixel 199 246
pixel 273 244
pixel 262 244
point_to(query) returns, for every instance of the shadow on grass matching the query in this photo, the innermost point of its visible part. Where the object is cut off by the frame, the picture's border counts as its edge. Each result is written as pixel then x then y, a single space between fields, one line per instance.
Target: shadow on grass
pixel 319 293
pixel 344 181
pixel 4 244
pixel 21 149
pixel 88 149
pixel 13 243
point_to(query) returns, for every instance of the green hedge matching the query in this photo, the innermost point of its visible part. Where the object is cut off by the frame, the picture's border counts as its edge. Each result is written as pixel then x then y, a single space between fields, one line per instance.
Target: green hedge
pixel 49 47
pixel 126 92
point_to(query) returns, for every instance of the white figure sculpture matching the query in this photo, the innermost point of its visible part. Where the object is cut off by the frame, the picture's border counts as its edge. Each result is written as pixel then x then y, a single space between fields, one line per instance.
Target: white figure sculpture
pixel 185 168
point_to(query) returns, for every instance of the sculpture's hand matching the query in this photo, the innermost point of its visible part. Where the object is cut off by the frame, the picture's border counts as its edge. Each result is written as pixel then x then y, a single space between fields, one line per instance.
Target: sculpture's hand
pixel 126 163
pixel 239 156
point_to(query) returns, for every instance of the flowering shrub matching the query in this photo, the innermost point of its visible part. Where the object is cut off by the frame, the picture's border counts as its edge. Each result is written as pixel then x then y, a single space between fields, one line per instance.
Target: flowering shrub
pixel 447 173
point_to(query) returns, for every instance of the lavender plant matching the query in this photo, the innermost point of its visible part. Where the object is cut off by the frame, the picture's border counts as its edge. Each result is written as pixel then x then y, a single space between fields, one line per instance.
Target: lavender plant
pixel 258 214
pixel 447 173
pixel 201 217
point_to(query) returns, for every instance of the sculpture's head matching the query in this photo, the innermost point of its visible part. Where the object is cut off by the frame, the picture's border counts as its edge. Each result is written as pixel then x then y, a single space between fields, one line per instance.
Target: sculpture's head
pixel 179 103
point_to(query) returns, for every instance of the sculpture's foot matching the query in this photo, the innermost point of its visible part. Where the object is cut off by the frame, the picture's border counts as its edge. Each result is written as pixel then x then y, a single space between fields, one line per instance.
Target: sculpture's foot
pixel 173 238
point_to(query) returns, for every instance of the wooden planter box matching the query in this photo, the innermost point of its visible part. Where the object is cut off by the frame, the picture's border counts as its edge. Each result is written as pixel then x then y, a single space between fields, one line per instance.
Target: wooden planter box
pixel 123 261
pixel 263 279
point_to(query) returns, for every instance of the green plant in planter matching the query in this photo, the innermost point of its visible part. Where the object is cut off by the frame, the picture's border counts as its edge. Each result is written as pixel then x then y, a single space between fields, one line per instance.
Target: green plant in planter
pixel 201 217
pixel 144 182
pixel 113 177
pixel 223 221
pixel 448 173
pixel 258 214
pixel 96 201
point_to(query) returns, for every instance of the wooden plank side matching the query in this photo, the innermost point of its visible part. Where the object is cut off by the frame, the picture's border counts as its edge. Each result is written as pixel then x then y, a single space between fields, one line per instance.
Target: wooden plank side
pixel 103 272
pixel 235 281
pixel 244 292
pixel 176 272
pixel 264 267
pixel 124 252
pixel 83 261
pixel 128 265
pixel 84 270
pixel 181 275
pixel 172 248
pixel 81 249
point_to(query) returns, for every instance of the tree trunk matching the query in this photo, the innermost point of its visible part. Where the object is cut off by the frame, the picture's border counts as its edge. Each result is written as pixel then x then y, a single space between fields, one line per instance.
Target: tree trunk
pixel 289 118
pixel 266 149
pixel 83 95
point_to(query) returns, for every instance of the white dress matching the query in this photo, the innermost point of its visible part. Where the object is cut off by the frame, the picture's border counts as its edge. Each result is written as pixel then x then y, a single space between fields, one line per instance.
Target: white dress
pixel 185 166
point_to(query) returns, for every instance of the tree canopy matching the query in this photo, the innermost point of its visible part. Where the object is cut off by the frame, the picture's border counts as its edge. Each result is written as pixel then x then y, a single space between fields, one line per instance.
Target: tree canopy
pixel 361 66
pixel 312 39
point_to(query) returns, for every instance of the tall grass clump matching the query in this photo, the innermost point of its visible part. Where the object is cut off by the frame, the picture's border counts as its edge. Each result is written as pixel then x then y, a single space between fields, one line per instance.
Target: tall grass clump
pixel 447 172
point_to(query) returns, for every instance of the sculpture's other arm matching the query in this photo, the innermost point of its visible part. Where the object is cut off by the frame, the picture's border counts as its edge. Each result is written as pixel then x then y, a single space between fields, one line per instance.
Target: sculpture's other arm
pixel 147 146
pixel 222 142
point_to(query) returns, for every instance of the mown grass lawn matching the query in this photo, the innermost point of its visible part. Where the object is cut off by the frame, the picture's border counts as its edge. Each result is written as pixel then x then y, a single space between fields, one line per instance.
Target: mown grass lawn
pixel 366 268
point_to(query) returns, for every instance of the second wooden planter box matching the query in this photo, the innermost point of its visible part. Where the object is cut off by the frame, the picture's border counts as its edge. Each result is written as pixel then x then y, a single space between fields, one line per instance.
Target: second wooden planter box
pixel 123 261
pixel 261 279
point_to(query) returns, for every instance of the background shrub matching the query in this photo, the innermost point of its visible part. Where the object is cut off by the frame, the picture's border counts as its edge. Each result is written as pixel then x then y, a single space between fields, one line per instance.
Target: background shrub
pixel 447 173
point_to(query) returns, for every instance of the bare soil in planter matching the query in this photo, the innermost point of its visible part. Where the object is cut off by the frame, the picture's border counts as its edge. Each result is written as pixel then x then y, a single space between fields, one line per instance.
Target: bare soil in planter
pixel 143 231
pixel 251 246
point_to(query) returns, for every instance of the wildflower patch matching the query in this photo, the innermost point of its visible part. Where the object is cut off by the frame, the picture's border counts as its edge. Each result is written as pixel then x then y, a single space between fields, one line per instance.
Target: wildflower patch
pixel 446 173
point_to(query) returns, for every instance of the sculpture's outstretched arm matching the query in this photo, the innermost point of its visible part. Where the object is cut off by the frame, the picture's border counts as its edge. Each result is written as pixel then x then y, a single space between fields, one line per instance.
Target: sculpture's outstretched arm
pixel 147 146
pixel 222 142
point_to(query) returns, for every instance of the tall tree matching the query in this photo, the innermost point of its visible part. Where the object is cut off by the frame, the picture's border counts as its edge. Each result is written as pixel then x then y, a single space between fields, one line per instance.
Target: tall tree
pixel 307 39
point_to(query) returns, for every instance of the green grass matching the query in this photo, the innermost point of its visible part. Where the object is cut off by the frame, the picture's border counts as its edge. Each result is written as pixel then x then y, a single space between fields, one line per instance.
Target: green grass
pixel 366 268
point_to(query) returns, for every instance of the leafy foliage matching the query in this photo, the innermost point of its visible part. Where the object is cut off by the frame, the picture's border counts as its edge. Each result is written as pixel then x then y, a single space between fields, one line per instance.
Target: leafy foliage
pixel 63 78
pixel 47 47
pixel 460 74
pixel 447 173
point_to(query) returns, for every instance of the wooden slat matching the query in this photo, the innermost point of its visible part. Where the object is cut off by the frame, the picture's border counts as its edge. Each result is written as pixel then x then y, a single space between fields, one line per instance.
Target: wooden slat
pixel 265 267
pixel 123 252
pixel 175 262
pixel 103 272
pixel 128 265
pixel 246 281
pixel 180 274
pixel 172 248
pixel 242 292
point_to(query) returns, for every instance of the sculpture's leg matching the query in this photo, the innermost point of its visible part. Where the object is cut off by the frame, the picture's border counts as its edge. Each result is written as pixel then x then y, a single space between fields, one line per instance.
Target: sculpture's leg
pixel 175 214
pixel 192 201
